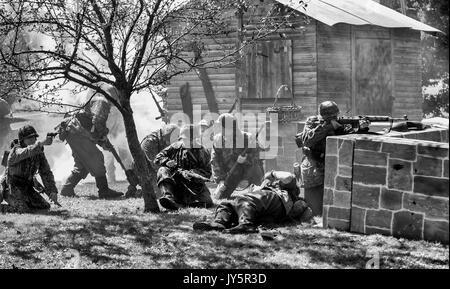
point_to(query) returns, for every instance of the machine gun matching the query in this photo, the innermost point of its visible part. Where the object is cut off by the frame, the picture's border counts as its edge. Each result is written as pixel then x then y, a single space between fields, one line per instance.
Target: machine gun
pixel 355 121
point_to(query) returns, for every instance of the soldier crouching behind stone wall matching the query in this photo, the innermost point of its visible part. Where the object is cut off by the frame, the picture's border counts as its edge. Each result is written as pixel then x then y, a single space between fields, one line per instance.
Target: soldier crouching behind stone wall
pixel 313 143
pixel 25 160
pixel 185 166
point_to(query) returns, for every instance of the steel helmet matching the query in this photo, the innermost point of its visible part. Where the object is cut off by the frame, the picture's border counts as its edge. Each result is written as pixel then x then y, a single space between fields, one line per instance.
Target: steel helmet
pixel 328 109
pixel 27 131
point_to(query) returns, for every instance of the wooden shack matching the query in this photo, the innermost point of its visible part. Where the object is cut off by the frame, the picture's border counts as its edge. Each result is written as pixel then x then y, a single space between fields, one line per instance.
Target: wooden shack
pixel 361 54
pixel 358 53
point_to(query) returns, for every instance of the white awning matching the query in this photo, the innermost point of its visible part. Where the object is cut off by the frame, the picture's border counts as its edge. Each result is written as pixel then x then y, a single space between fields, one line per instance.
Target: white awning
pixel 357 12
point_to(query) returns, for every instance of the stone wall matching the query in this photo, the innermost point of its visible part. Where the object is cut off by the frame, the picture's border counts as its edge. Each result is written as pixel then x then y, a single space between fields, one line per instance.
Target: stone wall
pixel 390 186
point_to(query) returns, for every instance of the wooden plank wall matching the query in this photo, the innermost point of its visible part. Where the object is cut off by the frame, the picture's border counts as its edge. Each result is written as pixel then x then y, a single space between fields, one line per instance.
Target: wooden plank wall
pixel 334 65
pixel 222 79
pixel 407 74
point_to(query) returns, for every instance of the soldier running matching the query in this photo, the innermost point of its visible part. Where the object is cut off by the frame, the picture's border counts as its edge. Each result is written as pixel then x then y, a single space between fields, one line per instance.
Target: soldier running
pixel 276 200
pixel 20 188
pixel 185 166
pixel 83 131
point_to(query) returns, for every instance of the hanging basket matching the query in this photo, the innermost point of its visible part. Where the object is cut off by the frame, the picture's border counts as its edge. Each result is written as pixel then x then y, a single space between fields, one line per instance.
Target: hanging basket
pixel 286 113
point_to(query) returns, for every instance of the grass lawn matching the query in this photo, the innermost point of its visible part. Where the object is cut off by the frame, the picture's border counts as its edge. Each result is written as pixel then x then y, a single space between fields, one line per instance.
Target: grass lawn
pixel 92 233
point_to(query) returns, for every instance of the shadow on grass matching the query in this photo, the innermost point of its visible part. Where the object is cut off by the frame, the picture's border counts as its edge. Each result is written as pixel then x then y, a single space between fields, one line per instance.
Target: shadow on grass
pixel 167 240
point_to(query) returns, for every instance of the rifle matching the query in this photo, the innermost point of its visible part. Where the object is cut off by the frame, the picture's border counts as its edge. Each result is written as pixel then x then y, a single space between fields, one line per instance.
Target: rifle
pixel 41 190
pixel 192 174
pixel 131 176
pixel 355 121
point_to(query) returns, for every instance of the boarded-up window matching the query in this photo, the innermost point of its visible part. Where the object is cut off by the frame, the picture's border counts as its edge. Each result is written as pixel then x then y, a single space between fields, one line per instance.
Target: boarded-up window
pixel 268 67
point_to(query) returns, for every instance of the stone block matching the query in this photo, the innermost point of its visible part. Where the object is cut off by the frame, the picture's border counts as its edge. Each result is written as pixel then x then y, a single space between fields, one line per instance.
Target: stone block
pixel 391 199
pixel 358 218
pixel 343 184
pixel 365 157
pixel 342 199
pixel 366 197
pixel 431 186
pixel 325 216
pixel 400 150
pixel 407 225
pixel 379 218
pixel 426 166
pixel 339 213
pixel 345 171
pixel 340 225
pixel 369 175
pixel 373 230
pixel 445 173
pixel 331 168
pixel 444 135
pixel 328 196
pixel 367 144
pixel 435 208
pixel 400 175
pixel 332 146
pixel 346 153
pixel 438 151
pixel 436 231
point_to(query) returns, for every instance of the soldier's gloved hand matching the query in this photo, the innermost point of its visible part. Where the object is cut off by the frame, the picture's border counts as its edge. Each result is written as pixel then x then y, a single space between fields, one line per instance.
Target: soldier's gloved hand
pixel 171 164
pixel 53 197
pixel 48 141
pixel 241 159
pixel 364 124
pixel 186 175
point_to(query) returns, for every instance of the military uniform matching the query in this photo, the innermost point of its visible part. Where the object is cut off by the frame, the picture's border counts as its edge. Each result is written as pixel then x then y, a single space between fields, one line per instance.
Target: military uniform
pixel 177 187
pixel 83 131
pixel 153 144
pixel 225 154
pixel 21 192
pixel 272 202
pixel 313 143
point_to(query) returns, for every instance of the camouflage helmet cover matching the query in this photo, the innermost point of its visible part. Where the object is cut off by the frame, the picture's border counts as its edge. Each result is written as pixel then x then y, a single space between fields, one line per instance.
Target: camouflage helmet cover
pixel 27 131
pixel 328 109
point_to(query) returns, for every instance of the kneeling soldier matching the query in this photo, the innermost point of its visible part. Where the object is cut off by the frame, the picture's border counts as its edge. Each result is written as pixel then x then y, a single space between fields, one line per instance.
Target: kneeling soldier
pixel 185 166
pixel 276 200
pixel 25 160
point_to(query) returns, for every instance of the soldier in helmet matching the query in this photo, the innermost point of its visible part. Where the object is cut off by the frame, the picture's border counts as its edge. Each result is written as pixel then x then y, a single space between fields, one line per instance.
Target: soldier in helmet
pixel 227 149
pixel 275 200
pixel 313 143
pixel 83 131
pixel 25 160
pixel 185 166
pixel 153 144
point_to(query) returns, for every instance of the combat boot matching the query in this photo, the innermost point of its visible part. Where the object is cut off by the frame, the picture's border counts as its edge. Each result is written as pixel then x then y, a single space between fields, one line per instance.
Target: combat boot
pixel 208 226
pixel 104 192
pixel 67 189
pixel 242 229
pixel 167 201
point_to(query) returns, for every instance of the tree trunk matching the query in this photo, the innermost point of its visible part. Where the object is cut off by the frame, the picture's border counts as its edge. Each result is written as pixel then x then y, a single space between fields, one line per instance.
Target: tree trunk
pixel 150 203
